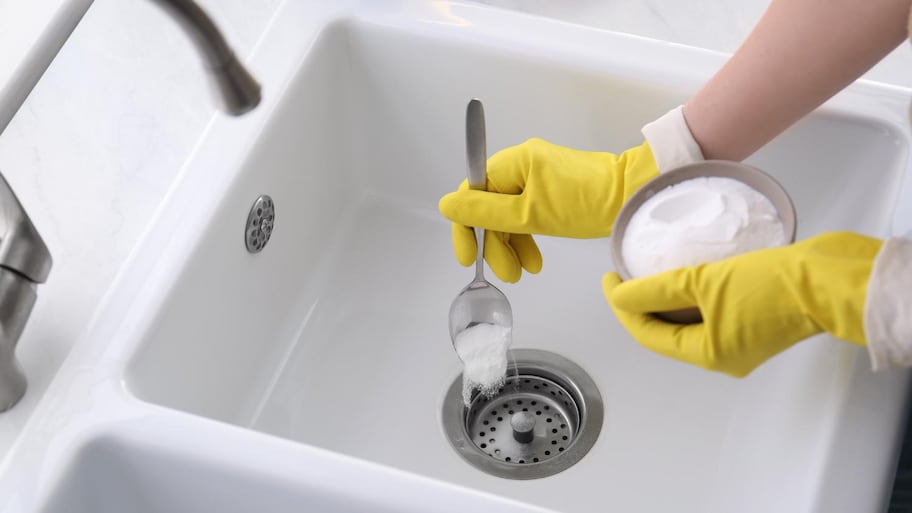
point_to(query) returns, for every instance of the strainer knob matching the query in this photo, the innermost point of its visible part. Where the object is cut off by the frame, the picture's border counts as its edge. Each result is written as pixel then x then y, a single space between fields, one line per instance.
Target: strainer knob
pixel 523 424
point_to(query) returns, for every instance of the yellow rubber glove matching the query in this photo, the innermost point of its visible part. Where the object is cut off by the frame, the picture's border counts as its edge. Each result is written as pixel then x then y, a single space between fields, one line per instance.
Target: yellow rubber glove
pixel 541 188
pixel 754 305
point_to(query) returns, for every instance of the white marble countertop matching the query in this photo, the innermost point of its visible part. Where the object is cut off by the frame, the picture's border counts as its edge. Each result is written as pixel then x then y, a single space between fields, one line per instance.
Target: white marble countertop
pixel 98 143
pixel 31 33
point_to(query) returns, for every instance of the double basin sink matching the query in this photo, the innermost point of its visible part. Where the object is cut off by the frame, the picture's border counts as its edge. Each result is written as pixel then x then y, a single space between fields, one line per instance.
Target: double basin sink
pixel 311 375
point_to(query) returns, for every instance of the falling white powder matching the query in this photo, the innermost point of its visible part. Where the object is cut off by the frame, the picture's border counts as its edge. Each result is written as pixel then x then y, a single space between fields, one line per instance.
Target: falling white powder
pixel 698 221
pixel 483 350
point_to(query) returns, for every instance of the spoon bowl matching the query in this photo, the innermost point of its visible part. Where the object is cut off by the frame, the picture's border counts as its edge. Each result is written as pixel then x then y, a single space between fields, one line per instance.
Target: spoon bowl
pixel 479 302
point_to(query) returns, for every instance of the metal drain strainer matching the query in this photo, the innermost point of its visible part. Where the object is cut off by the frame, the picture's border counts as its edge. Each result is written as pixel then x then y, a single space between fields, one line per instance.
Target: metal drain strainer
pixel 546 418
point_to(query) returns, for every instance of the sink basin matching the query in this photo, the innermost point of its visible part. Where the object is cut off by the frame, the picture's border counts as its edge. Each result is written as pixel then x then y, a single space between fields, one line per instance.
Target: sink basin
pixel 123 468
pixel 334 337
pixel 113 474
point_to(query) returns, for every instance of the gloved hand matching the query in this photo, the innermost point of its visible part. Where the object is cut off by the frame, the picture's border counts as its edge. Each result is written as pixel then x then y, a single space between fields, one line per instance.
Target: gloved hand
pixel 754 305
pixel 541 188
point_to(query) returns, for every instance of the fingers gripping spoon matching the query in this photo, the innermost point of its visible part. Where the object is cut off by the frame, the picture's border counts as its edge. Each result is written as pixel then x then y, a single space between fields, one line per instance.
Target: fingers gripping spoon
pixel 480 302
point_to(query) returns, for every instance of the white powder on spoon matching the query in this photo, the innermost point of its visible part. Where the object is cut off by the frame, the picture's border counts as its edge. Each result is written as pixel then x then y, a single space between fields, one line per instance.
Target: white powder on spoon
pixel 483 351
pixel 698 221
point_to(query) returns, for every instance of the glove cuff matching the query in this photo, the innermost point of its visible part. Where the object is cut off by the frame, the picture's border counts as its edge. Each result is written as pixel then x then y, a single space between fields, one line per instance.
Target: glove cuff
pixel 888 306
pixel 671 142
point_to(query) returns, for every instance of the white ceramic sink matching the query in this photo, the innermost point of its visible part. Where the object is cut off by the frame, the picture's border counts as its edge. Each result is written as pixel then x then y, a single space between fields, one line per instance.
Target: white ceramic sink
pixel 141 467
pixel 331 344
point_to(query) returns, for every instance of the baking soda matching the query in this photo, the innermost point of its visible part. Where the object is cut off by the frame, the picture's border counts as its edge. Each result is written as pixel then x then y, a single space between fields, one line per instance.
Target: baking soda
pixel 698 221
pixel 483 351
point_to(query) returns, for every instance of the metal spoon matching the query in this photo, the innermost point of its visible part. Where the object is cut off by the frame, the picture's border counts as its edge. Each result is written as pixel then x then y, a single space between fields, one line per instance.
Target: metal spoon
pixel 479 302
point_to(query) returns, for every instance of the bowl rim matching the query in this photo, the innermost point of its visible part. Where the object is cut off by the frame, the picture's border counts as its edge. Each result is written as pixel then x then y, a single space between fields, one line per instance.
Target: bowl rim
pixel 754 177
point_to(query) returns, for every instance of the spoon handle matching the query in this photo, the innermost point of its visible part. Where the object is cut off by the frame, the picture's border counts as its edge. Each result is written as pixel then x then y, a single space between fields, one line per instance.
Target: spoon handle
pixel 476 162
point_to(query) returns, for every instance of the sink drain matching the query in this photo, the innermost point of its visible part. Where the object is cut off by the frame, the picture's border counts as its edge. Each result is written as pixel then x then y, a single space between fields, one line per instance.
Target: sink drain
pixel 545 418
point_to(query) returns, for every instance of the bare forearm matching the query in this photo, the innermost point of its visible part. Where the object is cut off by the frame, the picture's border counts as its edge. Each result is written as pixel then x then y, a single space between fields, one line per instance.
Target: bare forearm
pixel 801 53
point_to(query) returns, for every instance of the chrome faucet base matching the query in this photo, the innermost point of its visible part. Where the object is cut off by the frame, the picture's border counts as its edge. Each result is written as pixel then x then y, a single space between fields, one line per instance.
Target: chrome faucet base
pixel 12 382
pixel 17 297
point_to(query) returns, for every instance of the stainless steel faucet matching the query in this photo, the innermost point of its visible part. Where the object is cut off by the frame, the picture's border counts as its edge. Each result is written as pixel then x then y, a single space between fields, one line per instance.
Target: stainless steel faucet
pixel 236 87
pixel 24 262
pixel 24 258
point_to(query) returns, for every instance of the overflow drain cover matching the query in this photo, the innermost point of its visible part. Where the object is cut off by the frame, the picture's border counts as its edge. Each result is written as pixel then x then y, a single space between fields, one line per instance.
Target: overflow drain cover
pixel 260 222
pixel 545 418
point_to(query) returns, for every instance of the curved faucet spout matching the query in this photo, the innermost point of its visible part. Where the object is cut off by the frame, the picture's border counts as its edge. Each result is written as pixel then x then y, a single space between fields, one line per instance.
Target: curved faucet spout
pixel 238 90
